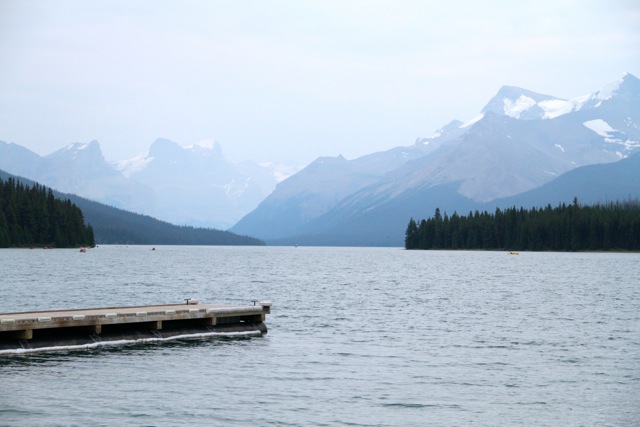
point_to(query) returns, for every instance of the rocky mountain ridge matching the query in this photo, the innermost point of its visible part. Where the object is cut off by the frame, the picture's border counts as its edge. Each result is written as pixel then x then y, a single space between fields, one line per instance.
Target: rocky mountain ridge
pixel 194 186
pixel 520 141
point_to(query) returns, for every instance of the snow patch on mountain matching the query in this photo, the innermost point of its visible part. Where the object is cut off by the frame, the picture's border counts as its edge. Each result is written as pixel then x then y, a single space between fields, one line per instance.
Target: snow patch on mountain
pixel 281 171
pixel 206 143
pixel 76 149
pixel 611 136
pixel 471 122
pixel 610 89
pixel 557 107
pixel 599 126
pixel 131 166
pixel 515 108
pixel 236 188
pixel 78 146
pixel 449 131
pixel 206 147
pixel 523 104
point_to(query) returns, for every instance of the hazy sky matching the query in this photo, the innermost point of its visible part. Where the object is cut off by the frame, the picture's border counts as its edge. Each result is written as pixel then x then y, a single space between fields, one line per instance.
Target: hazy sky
pixel 290 80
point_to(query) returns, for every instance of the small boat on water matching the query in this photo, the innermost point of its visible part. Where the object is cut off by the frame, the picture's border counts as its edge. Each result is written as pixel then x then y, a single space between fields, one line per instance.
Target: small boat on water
pixel 514 253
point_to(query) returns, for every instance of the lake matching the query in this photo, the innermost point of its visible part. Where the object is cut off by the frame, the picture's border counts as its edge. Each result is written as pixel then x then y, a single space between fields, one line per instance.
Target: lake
pixel 357 336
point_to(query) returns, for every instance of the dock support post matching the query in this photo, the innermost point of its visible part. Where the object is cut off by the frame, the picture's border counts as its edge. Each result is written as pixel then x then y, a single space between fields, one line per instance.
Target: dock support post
pixel 266 306
pixel 21 334
pixel 25 334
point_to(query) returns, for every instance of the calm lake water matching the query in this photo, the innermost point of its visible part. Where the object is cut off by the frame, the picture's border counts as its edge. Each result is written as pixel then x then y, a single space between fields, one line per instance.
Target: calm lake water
pixel 357 336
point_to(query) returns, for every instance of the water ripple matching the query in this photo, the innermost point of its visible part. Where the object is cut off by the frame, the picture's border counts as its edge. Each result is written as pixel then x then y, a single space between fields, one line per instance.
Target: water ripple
pixel 358 336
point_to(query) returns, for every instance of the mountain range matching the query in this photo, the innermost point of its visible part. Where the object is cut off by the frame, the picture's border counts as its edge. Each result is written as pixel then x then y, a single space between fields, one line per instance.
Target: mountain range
pixel 519 142
pixel 523 148
pixel 193 186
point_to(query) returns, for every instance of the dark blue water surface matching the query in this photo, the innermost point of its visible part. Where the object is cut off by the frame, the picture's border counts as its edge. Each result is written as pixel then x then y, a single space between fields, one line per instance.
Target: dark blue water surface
pixel 357 336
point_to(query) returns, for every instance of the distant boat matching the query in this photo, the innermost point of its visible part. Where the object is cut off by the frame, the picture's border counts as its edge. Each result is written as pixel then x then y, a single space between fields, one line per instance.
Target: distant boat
pixel 514 253
pixel 83 249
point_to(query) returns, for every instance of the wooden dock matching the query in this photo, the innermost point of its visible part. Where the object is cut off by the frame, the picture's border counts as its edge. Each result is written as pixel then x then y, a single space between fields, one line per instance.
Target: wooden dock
pixel 38 330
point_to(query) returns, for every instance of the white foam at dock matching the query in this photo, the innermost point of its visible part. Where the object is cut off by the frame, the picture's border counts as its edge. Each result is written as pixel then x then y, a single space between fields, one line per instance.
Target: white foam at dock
pixel 130 342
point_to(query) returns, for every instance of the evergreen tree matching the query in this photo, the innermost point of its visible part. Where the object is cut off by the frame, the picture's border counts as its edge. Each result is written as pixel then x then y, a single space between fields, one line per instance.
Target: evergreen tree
pixel 411 239
pixel 33 217
pixel 573 227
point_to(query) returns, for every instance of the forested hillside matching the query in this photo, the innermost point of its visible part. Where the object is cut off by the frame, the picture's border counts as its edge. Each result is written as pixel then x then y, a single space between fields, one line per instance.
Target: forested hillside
pixel 614 226
pixel 33 216
pixel 117 226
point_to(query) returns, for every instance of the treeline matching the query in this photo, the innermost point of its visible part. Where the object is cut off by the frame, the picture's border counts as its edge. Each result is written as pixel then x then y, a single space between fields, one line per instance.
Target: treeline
pixel 614 226
pixel 117 226
pixel 33 216
pixel 152 231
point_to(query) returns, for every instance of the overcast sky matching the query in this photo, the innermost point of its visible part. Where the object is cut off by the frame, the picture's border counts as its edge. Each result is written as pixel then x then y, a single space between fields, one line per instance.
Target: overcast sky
pixel 290 80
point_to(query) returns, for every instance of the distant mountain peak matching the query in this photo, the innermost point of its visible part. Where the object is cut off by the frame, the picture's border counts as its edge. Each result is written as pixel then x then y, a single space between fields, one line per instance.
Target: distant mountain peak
pixel 162 147
pixel 329 160
pixel 518 103
pixel 208 146
pixel 513 92
pixel 76 150
pixel 449 127
pixel 165 148
pixel 628 78
pixel 524 104
pixel 625 83
pixel 80 146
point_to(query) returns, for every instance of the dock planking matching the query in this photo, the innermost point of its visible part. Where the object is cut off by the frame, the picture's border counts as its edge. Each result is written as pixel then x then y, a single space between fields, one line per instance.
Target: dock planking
pixel 78 327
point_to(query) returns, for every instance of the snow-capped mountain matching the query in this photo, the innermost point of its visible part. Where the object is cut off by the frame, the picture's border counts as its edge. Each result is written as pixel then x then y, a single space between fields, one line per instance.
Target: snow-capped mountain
pixel 519 141
pixel 195 185
pixel 78 168
pixel 521 103
pixel 527 105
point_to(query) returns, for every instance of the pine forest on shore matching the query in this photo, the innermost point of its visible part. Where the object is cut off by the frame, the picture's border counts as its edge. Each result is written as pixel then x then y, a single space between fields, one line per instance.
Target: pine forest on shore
pixel 33 216
pixel 573 227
